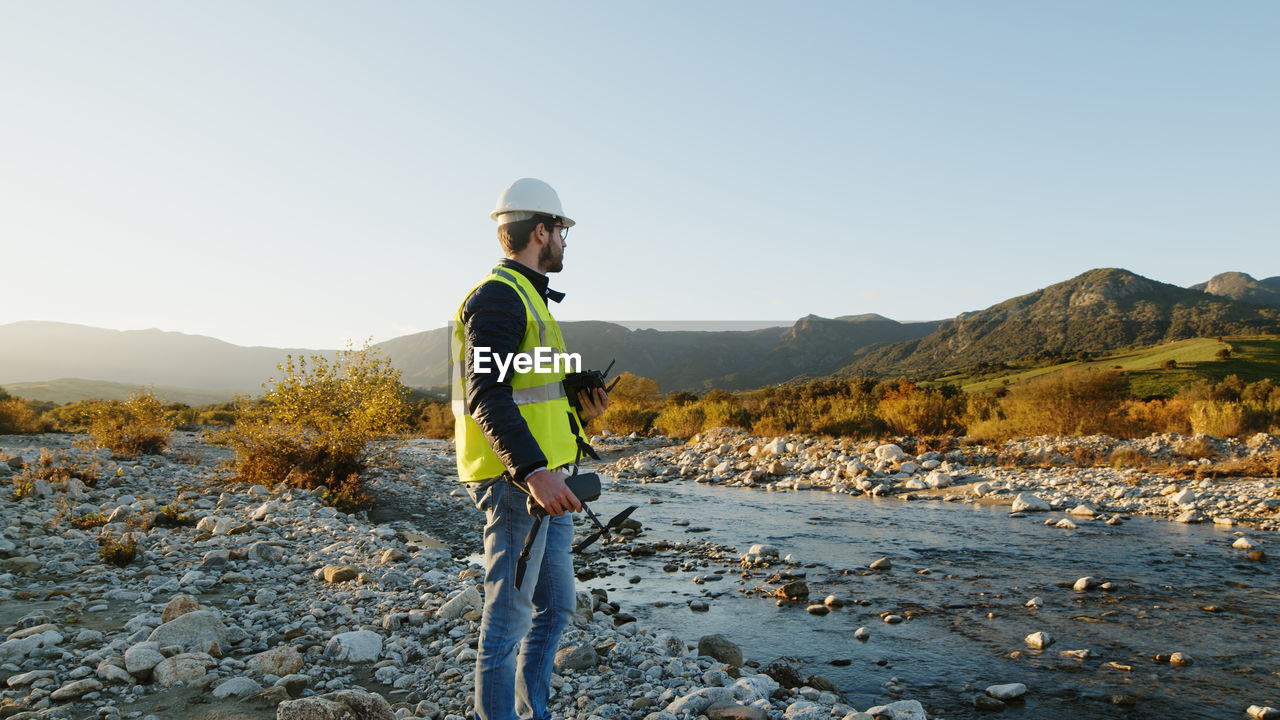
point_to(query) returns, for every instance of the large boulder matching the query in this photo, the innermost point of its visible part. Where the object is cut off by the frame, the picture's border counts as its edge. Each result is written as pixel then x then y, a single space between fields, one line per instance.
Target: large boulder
pixel 357 646
pixel 281 661
pixel 180 605
pixel 340 705
pixel 1027 502
pixel 697 702
pixel 576 657
pixel 720 648
pixel 890 453
pixel 182 668
pixel 755 687
pixel 142 658
pixel 190 630
pixel 900 710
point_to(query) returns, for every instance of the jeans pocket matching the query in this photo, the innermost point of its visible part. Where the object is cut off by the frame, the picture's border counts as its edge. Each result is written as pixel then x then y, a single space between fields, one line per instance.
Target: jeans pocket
pixel 487 494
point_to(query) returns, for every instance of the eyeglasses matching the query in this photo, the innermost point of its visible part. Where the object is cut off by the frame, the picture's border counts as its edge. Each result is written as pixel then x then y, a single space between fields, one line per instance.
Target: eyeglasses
pixel 564 231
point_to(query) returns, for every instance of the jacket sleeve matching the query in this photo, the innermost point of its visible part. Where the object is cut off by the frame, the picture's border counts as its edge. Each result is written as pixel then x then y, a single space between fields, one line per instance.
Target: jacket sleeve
pixel 494 317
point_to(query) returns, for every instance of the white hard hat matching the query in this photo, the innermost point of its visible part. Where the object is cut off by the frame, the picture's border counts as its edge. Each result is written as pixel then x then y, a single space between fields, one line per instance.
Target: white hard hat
pixel 525 198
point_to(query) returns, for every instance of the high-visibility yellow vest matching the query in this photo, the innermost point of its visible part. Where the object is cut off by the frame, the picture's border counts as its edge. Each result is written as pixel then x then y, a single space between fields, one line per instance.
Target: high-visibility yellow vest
pixel 540 397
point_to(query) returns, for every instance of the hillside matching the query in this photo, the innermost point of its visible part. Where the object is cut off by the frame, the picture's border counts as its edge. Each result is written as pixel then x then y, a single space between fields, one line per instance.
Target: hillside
pixel 1097 311
pixel 1243 287
pixel 1155 370
pixel 42 351
pixel 67 390
pixel 689 359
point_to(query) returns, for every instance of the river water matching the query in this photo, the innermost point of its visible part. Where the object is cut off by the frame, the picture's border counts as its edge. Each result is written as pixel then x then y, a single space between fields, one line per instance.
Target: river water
pixel 967 618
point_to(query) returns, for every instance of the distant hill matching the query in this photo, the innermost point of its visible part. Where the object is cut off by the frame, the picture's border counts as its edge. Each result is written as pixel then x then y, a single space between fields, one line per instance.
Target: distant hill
pixel 1243 287
pixel 688 359
pixel 67 390
pixel 41 351
pixel 1097 311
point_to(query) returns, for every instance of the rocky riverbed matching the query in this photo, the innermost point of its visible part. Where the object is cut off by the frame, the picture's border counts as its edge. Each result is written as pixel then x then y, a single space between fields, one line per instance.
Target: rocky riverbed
pixel 255 602
pixel 1037 474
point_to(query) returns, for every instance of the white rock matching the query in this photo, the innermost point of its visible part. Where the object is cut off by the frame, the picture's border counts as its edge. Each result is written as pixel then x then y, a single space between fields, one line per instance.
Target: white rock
pixel 236 687
pixel 696 702
pixel 466 600
pixel 184 668
pixel 357 646
pixel 938 479
pixel 75 689
pixel 1186 497
pixel 1039 640
pixel 1027 502
pixel 1260 712
pixel 1008 691
pixel 755 687
pixel 191 629
pixel 890 453
pixel 279 661
pixel 1242 543
pixel 761 550
pixel 901 710
pixel 982 489
pixel 142 658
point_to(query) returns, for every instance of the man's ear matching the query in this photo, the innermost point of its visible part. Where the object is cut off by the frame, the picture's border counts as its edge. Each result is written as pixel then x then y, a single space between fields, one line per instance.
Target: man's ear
pixel 533 235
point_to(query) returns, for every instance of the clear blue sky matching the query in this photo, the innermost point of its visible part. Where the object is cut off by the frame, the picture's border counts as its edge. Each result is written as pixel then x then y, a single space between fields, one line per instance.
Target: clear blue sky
pixel 299 173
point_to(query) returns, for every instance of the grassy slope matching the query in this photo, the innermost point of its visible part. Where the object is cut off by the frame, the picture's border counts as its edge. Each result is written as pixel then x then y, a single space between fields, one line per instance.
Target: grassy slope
pixel 67 390
pixel 1252 358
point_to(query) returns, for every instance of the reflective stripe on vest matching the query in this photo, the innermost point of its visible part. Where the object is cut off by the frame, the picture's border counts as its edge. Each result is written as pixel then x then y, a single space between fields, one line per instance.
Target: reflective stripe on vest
pixel 539 397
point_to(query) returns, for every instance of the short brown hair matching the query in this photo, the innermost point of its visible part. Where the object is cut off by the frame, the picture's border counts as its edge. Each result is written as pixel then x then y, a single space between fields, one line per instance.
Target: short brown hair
pixel 514 236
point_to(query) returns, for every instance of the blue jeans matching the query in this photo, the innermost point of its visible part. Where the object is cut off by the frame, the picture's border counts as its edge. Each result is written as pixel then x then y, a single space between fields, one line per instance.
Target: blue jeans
pixel 511 684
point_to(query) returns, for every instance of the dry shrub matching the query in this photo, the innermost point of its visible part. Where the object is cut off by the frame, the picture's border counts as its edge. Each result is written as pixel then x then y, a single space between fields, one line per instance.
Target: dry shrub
pixel 136 426
pixel 313 427
pixel 1218 419
pixel 909 410
pixel 682 421
pixel 1157 416
pixel 634 403
pixel 17 417
pixel 172 516
pixel 1127 458
pixel 92 520
pixel 1077 402
pixel 1082 456
pixel 434 419
pixel 118 551
pixel 61 468
pixel 1196 448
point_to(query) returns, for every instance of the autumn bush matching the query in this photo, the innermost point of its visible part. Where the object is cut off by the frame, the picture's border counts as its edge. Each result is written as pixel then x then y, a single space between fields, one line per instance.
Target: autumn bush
pixel 314 426
pixel 18 417
pixel 634 404
pixel 137 426
pixel 910 410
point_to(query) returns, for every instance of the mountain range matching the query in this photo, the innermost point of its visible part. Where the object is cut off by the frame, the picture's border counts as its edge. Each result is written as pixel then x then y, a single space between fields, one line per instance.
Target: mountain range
pixel 1098 310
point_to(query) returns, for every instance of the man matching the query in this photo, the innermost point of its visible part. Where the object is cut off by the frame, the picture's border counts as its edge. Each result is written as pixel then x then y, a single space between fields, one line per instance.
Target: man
pixel 515 432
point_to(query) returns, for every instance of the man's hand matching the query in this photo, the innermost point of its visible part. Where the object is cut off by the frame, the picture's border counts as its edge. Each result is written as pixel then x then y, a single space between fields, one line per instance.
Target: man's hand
pixel 550 491
pixel 594 402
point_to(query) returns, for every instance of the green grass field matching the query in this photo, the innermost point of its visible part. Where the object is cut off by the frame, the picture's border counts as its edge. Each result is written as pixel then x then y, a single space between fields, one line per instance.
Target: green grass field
pixel 1252 358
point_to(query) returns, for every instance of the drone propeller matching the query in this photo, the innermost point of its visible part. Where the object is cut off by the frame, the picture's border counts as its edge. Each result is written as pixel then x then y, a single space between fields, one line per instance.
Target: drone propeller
pixel 614 523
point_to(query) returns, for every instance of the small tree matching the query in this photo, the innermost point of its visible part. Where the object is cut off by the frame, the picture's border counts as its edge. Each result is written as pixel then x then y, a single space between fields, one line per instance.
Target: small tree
pixel 313 427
